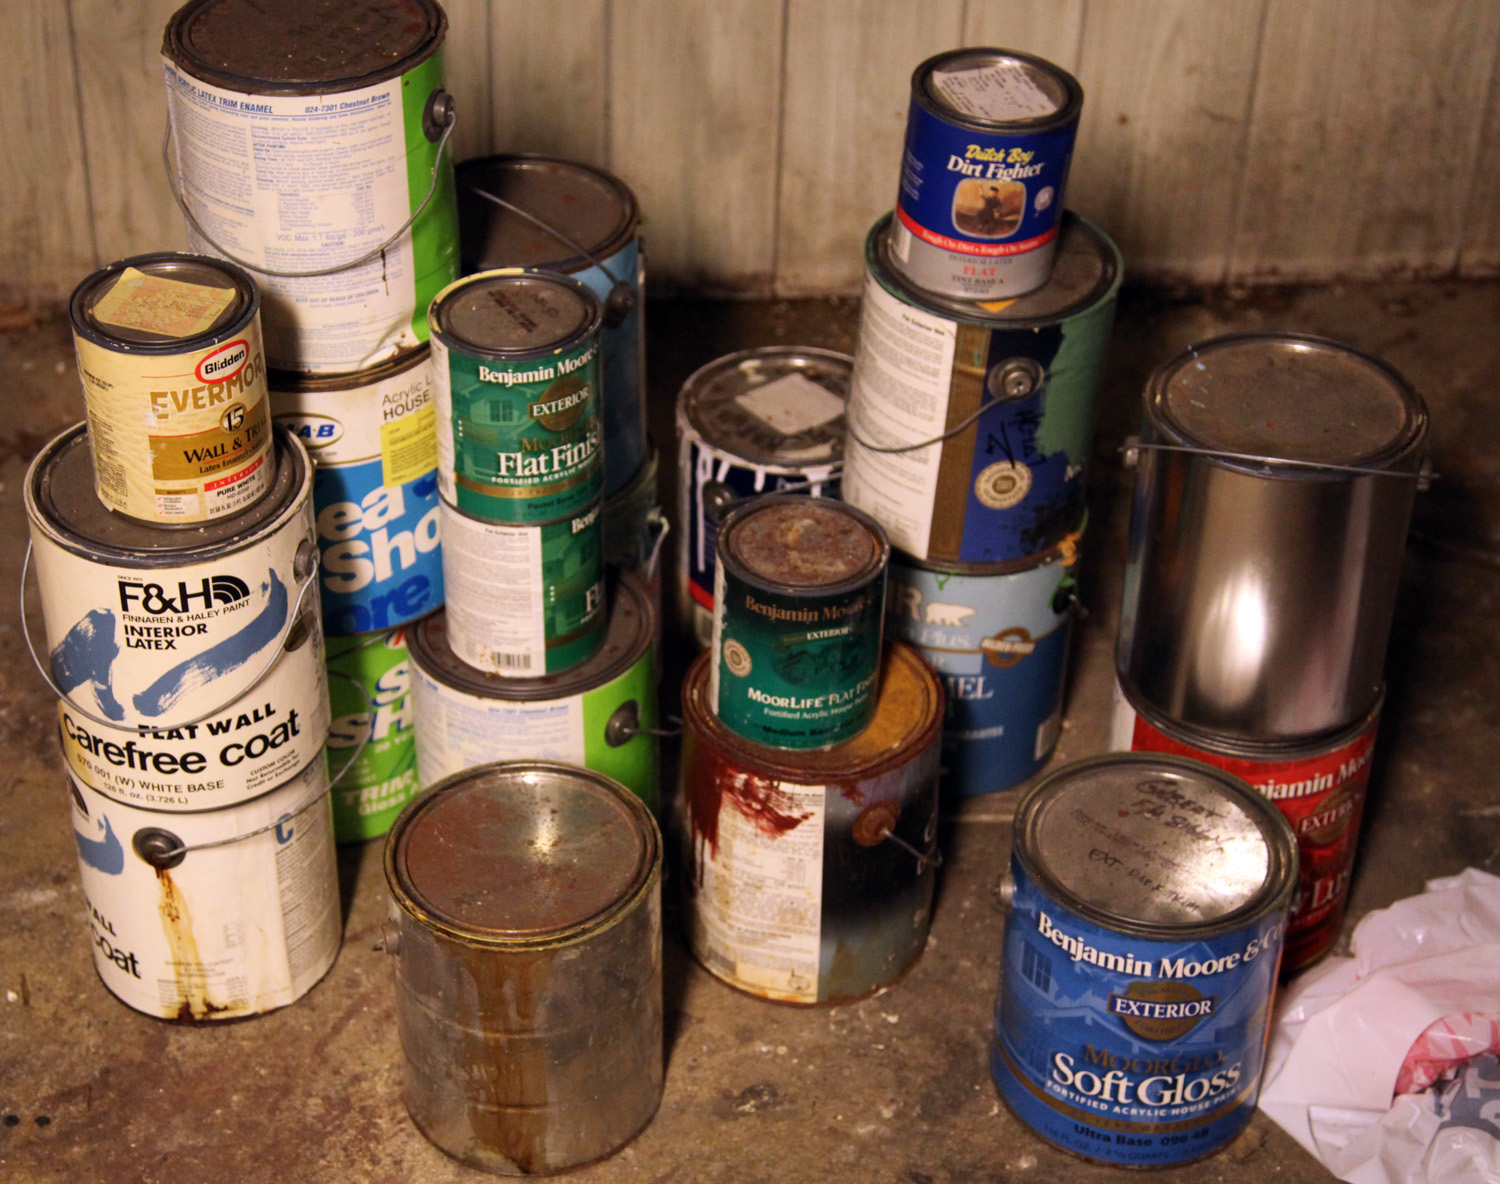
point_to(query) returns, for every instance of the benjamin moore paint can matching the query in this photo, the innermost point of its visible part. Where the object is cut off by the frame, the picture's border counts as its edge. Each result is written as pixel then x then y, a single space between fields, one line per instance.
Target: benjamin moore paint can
pixel 525 926
pixel 1149 899
pixel 374 727
pixel 174 378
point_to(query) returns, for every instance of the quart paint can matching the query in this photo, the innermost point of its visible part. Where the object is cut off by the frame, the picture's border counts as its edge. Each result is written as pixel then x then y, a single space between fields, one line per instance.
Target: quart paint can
pixel 599 715
pixel 373 441
pixel 190 662
pixel 810 874
pixel 971 425
pixel 525 926
pixel 372 740
pixel 798 599
pixel 214 915
pixel 310 148
pixel 765 420
pixel 1149 896
pixel 587 226
pixel 174 378
pixel 1275 481
pixel 989 139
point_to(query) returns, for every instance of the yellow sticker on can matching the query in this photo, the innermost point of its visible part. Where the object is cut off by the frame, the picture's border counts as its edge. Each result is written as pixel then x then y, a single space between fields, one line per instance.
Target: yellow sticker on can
pixel 408 446
pixel 157 304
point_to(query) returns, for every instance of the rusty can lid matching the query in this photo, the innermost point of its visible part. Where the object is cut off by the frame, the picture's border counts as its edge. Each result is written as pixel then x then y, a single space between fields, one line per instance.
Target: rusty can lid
pixel 514 313
pixel 796 543
pixel 216 277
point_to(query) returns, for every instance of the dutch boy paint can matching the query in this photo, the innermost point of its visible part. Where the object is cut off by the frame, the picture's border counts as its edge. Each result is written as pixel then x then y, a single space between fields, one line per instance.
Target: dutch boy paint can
pixel 372 739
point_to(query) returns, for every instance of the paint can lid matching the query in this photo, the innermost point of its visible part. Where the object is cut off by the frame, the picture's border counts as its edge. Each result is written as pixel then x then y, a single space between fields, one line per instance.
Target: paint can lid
pixel 195 301
pixel 795 543
pixel 514 313
pixel 985 89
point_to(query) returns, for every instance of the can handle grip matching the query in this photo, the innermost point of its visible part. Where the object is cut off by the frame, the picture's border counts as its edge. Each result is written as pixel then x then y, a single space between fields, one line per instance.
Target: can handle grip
pixel 163 850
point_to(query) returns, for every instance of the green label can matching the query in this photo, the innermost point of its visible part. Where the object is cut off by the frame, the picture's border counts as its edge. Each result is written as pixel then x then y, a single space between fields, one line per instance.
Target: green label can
pixel 369 678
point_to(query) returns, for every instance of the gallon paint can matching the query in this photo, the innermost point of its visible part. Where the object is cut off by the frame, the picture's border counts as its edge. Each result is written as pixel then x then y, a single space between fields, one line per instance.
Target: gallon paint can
pixel 372 741
pixel 971 425
pixel 525 926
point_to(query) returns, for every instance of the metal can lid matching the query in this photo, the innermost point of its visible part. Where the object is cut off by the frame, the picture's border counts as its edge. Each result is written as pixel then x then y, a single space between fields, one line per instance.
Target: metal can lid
pixel 800 543
pixel 514 313
pixel 1048 95
pixel 147 336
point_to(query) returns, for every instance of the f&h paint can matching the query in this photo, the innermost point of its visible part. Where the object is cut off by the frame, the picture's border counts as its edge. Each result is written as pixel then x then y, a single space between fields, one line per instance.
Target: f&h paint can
pixel 372 739
pixel 310 148
pixel 765 420
pixel 810 874
pixel 798 600
pixel 1149 896
pixel 174 378
pixel 525 929
pixel 989 139
pixel 373 442
pixel 580 221
pixel 971 425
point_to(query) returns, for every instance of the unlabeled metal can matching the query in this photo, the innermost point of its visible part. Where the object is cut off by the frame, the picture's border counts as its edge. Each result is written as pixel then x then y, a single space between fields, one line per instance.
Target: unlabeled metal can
pixel 526 927
pixel 1150 895
pixel 971 425
pixel 372 741
pixel 810 874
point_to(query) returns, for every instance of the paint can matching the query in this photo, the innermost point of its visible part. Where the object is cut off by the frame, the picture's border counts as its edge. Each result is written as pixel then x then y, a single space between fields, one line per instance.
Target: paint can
pixel 1275 480
pixel 215 915
pixel 582 222
pixel 599 715
pixel 1149 895
pixel 810 874
pixel 189 663
pixel 174 377
pixel 310 148
pixel 989 138
pixel 765 420
pixel 525 926
pixel 971 425
pixel 372 740
pixel 798 599
pixel 373 441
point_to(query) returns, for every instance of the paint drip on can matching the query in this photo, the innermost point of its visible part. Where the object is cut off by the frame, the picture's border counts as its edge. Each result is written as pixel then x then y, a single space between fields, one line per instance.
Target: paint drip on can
pixel 372 741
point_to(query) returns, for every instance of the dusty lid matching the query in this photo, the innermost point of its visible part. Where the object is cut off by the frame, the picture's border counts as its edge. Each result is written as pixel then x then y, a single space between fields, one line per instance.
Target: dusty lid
pixel 808 543
pixel 162 303
pixel 1000 89
pixel 513 313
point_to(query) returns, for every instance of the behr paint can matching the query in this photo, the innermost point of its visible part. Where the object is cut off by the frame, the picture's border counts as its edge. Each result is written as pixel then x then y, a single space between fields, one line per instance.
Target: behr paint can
pixel 372 739
pixel 984 412
pixel 525 925
pixel 174 378
pixel 1148 897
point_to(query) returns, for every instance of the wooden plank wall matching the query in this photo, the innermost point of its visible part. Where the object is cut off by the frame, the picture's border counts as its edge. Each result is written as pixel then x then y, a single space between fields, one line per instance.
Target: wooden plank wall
pixel 1244 140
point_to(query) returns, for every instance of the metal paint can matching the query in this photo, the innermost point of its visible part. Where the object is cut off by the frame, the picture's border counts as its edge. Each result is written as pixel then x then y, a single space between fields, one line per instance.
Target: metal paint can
pixel 372 740
pixel 986 411
pixel 190 662
pixel 215 915
pixel 599 715
pixel 309 139
pixel 526 927
pixel 1149 897
pixel 174 377
pixel 1275 481
pixel 373 441
pixel 589 229
pixel 766 420
pixel 989 139
pixel 810 874
pixel 798 599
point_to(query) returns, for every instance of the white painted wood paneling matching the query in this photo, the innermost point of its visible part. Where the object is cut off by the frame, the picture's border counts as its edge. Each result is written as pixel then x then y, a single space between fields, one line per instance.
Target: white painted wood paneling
pixel 1479 246
pixel 1051 29
pixel 467 73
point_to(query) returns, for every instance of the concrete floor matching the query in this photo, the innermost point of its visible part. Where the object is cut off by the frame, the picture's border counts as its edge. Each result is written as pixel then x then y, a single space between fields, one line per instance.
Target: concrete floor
pixel 892 1090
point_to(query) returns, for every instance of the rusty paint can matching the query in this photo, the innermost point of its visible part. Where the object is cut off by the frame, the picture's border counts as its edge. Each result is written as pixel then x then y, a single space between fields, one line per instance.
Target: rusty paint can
pixel 525 926
pixel 853 829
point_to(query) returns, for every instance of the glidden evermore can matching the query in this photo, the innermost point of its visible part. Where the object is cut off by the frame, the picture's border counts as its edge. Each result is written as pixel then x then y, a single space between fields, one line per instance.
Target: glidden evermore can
pixel 1150 895
pixel 372 741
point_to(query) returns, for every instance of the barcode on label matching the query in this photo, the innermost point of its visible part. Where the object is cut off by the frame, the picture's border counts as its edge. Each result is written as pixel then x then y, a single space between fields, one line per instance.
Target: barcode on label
pixel 513 661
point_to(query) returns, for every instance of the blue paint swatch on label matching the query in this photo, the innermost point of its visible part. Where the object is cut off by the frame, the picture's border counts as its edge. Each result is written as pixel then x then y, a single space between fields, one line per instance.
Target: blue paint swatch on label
pixel 105 855
pixel 87 655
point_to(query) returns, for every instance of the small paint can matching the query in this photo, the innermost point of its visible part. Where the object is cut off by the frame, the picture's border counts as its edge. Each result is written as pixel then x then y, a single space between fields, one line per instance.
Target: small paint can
pixel 798 599
pixel 765 420
pixel 525 925
pixel 174 378
pixel 989 138
pixel 215 915
pixel 372 739
pixel 810 874
pixel 373 441
pixel 600 715
pixel 587 225
pixel 1148 899
pixel 971 425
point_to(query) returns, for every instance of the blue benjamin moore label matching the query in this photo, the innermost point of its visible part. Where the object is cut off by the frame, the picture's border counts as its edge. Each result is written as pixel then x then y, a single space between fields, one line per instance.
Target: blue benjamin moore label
pixel 623 408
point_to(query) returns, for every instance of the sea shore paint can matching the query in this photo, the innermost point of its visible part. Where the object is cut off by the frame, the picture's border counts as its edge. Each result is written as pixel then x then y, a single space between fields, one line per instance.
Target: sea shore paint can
pixel 764 420
pixel 597 240
pixel 989 408
pixel 1275 480
pixel 372 740
pixel 215 915
pixel 307 133
pixel 798 600
pixel 174 378
pixel 525 929
pixel 1149 898
pixel 190 662
pixel 373 442
pixel 810 874
pixel 989 138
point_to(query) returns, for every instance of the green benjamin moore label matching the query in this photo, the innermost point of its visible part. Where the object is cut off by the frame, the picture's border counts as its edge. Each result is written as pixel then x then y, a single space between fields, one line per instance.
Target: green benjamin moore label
pixel 633 763
pixel 434 236
pixel 369 679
